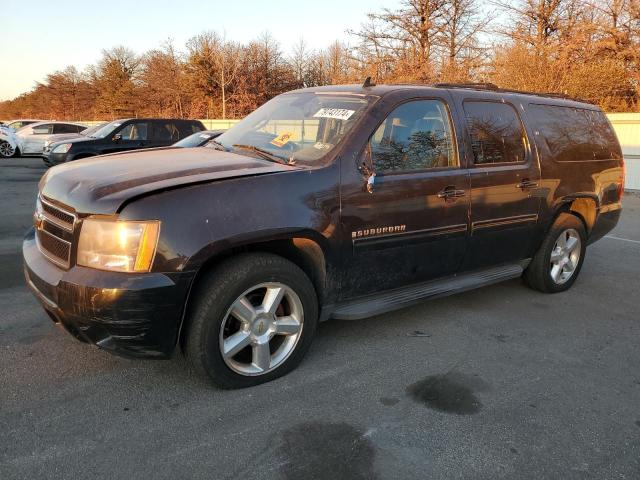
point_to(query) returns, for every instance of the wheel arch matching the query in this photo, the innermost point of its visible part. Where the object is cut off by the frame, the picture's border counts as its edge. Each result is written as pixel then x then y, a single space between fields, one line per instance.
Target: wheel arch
pixel 301 248
pixel 585 207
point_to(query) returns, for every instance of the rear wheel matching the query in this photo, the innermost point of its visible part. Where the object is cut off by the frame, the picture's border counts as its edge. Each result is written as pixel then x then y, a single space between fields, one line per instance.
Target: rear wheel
pixel 253 319
pixel 557 263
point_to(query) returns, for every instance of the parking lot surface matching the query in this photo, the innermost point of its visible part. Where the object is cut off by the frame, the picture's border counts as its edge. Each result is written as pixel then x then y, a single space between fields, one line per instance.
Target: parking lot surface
pixel 501 382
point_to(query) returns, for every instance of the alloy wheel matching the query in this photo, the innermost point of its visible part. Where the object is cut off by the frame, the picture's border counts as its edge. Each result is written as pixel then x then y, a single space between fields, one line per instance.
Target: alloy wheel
pixel 261 329
pixel 6 150
pixel 565 256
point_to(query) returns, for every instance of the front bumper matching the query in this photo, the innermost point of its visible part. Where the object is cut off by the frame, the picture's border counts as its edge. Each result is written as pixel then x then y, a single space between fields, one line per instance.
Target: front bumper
pixel 52 159
pixel 135 315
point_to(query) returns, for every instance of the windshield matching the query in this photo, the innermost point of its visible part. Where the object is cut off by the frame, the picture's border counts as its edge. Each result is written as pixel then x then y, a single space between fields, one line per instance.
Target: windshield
pixel 194 140
pixel 296 127
pixel 91 130
pixel 106 130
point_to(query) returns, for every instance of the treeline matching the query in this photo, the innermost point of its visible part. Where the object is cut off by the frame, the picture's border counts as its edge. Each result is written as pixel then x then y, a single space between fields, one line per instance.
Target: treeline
pixel 584 48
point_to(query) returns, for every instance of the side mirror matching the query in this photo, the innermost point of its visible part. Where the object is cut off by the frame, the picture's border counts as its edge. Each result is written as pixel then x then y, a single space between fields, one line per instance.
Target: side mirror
pixel 117 137
pixel 365 166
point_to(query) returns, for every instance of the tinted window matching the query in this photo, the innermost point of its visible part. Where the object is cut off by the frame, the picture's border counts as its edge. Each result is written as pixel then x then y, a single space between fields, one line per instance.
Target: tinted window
pixel 574 134
pixel 42 129
pixel 64 128
pixel 134 131
pixel 496 132
pixel 415 136
pixel 165 132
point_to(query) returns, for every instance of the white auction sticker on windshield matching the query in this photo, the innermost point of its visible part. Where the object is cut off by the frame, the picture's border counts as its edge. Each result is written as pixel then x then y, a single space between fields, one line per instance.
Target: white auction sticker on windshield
pixel 337 113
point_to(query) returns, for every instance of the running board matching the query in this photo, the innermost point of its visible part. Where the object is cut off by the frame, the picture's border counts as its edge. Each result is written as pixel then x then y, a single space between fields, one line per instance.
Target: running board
pixel 390 300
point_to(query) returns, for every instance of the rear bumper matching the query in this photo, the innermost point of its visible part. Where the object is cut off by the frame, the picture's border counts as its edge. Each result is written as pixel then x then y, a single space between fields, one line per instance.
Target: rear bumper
pixel 135 315
pixel 606 220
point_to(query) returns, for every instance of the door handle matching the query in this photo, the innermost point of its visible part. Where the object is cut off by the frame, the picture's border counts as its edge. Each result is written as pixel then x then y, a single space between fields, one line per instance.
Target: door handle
pixel 526 183
pixel 451 192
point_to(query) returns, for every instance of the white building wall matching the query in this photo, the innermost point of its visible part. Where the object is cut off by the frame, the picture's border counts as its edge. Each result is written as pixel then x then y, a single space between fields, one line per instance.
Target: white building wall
pixel 627 127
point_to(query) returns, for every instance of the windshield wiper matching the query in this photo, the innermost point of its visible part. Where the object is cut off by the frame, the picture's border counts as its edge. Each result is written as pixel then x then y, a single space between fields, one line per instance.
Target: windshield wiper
pixel 218 145
pixel 263 153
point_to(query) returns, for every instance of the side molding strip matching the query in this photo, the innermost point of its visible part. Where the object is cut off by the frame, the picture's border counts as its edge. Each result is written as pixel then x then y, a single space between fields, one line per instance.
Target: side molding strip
pixel 498 222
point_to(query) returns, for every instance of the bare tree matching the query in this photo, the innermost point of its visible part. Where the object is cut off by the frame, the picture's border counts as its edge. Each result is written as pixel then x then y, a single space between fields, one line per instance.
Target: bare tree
pixel 407 35
pixel 461 28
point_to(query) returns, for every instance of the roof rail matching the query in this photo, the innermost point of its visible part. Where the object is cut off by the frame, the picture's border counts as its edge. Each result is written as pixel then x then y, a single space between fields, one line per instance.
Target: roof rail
pixel 494 88
pixel 479 86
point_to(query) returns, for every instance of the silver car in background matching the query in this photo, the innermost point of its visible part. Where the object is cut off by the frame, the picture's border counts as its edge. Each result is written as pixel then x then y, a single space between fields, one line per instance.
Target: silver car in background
pixel 31 139
pixel 16 125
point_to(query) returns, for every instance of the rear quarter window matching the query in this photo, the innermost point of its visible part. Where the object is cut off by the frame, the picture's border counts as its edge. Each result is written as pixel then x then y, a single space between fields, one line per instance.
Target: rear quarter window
pixel 574 134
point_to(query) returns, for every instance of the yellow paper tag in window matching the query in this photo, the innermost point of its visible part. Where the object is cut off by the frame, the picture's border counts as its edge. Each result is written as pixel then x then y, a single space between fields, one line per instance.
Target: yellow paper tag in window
pixel 282 139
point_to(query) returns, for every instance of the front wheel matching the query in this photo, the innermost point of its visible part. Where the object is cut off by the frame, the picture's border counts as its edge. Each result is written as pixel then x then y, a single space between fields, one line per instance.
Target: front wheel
pixel 557 263
pixel 6 149
pixel 252 321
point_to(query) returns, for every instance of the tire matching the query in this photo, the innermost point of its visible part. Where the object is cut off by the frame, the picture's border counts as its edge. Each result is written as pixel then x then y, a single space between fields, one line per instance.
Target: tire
pixel 240 288
pixel 6 150
pixel 557 263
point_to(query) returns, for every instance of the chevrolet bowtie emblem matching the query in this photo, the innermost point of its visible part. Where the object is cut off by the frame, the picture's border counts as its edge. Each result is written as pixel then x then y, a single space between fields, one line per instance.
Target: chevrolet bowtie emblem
pixel 38 220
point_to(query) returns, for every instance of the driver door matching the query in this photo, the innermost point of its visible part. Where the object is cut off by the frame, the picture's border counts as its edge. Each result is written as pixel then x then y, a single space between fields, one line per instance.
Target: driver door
pixel 130 137
pixel 411 225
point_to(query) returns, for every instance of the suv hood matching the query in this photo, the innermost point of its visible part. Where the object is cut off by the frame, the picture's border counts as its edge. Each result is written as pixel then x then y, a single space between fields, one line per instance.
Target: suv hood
pixel 56 137
pixel 76 138
pixel 102 184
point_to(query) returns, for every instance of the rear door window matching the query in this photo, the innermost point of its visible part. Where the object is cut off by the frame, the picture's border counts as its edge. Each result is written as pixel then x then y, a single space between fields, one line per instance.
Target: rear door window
pixel 165 132
pixel 64 128
pixel 43 129
pixel 496 132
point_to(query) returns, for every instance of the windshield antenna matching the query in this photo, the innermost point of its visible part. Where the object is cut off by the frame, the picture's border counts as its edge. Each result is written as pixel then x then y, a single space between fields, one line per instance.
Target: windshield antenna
pixel 368 83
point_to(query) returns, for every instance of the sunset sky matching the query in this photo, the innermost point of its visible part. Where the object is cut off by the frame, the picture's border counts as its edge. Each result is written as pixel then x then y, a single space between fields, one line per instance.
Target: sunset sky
pixel 42 36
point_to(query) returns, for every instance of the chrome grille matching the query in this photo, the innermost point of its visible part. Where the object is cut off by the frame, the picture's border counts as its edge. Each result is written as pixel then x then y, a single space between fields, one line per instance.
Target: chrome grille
pixel 54 232
pixel 56 215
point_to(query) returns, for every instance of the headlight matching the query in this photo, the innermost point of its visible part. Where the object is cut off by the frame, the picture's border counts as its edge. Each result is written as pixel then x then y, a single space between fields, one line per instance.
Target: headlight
pixel 121 246
pixel 64 148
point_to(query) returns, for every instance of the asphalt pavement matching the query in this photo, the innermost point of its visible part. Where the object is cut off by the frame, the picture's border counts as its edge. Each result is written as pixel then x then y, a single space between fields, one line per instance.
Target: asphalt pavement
pixel 498 383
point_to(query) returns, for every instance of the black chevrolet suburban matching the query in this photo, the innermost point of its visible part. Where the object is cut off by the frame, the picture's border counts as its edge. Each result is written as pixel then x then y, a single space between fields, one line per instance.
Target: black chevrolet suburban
pixel 121 135
pixel 332 202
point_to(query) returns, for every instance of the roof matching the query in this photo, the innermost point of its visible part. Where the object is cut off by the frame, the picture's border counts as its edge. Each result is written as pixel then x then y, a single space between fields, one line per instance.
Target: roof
pixel 486 88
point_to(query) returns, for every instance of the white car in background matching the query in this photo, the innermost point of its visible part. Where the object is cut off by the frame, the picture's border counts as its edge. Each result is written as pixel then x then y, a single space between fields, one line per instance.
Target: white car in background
pixel 8 142
pixel 32 138
pixel 16 125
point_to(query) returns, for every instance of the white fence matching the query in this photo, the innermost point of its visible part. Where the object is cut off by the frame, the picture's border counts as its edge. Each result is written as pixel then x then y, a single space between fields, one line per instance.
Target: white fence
pixel 627 127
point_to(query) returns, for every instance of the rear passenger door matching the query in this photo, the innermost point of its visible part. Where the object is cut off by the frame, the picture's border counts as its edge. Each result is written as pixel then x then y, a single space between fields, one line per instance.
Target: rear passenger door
pixel 33 143
pixel 504 177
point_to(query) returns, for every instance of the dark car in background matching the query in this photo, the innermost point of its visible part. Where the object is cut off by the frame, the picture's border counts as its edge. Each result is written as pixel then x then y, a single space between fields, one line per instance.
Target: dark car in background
pixel 332 202
pixel 122 135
